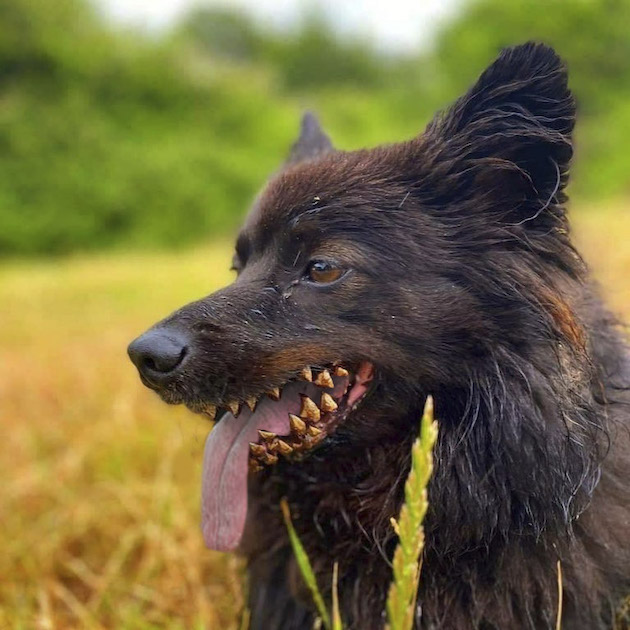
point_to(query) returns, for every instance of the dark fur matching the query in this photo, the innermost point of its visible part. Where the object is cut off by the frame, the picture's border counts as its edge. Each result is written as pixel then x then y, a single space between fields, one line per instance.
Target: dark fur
pixel 463 284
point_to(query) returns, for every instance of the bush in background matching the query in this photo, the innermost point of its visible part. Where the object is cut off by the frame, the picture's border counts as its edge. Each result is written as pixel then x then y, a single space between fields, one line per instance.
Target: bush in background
pixel 113 138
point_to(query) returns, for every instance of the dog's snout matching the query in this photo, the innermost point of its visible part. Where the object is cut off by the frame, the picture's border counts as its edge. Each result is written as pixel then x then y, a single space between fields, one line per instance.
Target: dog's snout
pixel 158 353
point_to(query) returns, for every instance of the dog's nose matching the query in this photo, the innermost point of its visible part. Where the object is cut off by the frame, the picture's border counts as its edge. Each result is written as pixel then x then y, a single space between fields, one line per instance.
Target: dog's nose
pixel 158 353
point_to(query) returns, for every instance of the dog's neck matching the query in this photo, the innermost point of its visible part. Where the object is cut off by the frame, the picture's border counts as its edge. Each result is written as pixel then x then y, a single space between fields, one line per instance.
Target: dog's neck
pixel 502 445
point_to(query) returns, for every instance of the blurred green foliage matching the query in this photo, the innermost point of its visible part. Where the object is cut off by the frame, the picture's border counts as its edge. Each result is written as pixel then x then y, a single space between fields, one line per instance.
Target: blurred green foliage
pixel 114 138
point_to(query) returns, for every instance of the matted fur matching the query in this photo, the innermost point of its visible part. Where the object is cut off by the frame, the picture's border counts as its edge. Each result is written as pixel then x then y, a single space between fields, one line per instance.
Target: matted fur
pixel 464 285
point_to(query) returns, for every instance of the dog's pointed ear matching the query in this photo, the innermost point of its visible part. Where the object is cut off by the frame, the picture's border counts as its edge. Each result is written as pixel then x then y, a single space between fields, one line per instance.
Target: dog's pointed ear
pixel 509 137
pixel 312 142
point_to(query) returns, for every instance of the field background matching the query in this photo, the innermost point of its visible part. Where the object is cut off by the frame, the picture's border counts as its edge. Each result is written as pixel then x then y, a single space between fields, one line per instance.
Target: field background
pixel 127 160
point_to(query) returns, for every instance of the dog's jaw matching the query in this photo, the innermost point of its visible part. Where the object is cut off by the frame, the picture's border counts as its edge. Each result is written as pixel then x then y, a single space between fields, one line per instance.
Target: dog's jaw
pixel 248 440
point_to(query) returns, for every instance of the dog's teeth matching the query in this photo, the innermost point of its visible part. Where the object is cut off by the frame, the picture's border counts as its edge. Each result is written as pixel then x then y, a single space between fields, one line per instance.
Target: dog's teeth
pixel 234 407
pixel 257 450
pixel 339 371
pixel 324 379
pixel 328 403
pixel 284 448
pixel 254 466
pixel 270 459
pixel 306 374
pixel 309 409
pixel 266 435
pixel 251 403
pixel 274 393
pixel 297 424
pixel 313 431
pixel 211 411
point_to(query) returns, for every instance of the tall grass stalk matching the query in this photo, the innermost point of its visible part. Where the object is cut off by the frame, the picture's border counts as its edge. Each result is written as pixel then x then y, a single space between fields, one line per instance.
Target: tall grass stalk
pixel 337 623
pixel 622 618
pixel 304 565
pixel 407 563
pixel 559 616
pixel 401 601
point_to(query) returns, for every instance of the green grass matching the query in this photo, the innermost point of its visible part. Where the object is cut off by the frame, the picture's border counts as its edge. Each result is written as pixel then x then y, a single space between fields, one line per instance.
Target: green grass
pixel 305 567
pixel 99 509
pixel 100 480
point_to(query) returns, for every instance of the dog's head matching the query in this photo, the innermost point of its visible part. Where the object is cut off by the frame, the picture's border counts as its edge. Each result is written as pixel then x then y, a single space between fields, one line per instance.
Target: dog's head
pixel 367 279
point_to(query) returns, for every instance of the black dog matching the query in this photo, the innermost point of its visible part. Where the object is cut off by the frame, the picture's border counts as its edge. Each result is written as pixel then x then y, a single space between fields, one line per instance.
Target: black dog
pixel 369 279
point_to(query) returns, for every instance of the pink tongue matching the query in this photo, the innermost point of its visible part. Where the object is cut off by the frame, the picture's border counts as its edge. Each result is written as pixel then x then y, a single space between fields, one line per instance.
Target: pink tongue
pixel 225 469
pixel 224 481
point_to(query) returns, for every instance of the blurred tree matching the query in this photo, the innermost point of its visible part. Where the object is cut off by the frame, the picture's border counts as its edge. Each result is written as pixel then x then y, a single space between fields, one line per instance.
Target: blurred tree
pixel 310 57
pixel 315 57
pixel 224 33
pixel 592 36
pixel 111 138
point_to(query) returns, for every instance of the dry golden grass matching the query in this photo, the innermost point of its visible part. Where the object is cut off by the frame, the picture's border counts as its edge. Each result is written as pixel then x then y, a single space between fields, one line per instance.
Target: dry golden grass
pixel 99 505
pixel 100 480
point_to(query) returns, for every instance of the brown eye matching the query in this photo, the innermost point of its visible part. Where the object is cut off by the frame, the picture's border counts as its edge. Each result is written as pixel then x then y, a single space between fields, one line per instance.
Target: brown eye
pixel 323 272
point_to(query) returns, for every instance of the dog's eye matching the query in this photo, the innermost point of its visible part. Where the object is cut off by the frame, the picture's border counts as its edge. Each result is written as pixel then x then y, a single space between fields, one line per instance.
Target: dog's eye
pixel 323 272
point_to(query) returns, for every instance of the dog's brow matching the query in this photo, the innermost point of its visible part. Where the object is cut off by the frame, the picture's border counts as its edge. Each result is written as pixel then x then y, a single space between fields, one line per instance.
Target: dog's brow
pixel 300 212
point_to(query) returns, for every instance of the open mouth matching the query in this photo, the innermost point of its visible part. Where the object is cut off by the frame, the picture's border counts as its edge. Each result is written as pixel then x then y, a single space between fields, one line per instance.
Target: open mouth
pixel 285 423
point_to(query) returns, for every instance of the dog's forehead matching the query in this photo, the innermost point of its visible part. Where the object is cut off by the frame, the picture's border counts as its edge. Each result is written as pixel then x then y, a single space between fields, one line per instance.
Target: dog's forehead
pixel 319 189
pixel 298 189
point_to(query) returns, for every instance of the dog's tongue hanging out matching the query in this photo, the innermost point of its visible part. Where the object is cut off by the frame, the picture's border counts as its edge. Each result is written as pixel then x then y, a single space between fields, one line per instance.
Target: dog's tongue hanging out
pixel 227 451
pixel 224 482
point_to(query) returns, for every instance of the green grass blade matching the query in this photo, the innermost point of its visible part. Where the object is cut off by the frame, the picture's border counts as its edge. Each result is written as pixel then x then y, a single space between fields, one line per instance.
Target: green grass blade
pixel 407 562
pixel 560 589
pixel 305 565
pixel 337 623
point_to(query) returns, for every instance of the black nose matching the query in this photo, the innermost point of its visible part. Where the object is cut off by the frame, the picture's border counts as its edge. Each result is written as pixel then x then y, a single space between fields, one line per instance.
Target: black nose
pixel 158 353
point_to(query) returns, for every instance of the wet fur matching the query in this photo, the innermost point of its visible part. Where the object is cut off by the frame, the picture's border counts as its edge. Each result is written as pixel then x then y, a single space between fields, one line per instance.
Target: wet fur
pixel 465 285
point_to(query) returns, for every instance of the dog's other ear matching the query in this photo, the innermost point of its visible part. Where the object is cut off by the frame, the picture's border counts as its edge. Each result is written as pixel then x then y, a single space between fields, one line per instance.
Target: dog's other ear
pixel 312 142
pixel 509 137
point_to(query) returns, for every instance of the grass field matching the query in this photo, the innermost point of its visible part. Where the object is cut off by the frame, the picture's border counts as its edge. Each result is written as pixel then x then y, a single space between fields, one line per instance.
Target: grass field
pixel 100 481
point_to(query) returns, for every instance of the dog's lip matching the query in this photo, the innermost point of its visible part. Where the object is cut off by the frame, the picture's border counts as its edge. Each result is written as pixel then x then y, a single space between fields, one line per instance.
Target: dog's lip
pixel 319 375
pixel 215 409
pixel 147 382
pixel 313 405
pixel 167 394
